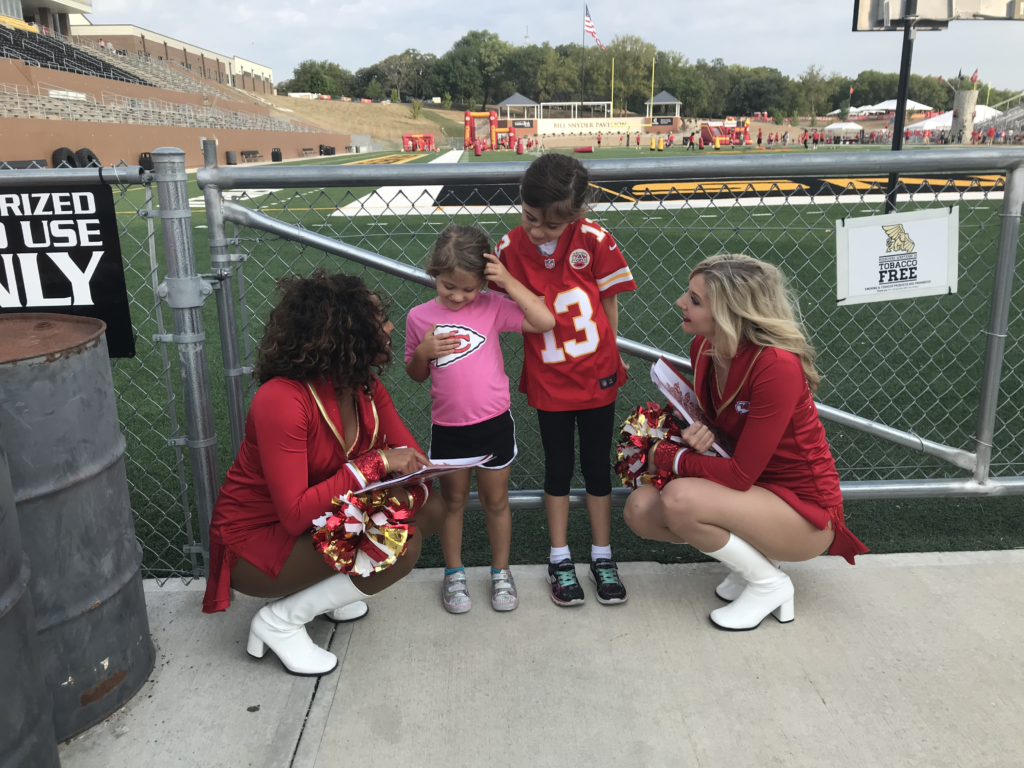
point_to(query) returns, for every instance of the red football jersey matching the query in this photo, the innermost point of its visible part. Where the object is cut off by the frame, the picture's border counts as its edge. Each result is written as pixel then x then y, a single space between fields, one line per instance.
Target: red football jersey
pixel 576 365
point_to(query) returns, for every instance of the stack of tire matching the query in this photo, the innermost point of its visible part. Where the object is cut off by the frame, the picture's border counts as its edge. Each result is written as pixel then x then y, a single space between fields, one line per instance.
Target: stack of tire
pixel 83 158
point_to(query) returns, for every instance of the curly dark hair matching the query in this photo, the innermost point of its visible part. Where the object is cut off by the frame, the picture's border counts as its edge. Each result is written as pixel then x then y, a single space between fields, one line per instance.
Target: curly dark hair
pixel 324 325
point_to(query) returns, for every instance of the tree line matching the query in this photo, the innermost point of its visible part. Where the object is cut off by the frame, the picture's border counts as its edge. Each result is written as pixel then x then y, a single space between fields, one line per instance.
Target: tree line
pixel 482 69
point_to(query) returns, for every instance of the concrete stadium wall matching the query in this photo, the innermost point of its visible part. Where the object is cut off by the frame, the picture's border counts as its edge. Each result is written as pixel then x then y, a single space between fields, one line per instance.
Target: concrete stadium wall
pixel 26 139
pixel 14 72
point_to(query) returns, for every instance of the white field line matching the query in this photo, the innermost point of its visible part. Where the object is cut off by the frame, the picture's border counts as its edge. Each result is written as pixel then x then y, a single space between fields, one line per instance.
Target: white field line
pixel 412 203
pixel 400 201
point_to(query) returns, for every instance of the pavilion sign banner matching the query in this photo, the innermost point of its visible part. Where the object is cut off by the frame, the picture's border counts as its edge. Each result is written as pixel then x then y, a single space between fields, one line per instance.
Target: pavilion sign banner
pixel 897 256
pixel 552 126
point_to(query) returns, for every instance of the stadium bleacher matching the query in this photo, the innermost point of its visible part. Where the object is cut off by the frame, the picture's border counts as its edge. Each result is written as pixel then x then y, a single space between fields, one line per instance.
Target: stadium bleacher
pixel 46 51
pixel 59 104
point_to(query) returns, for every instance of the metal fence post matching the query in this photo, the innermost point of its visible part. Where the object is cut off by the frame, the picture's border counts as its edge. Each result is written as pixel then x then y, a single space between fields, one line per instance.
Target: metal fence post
pixel 185 291
pixel 999 314
pixel 220 263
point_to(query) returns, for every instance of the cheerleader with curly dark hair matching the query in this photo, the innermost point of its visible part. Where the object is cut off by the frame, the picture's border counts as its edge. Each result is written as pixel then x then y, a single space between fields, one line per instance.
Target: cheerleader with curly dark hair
pixel 320 425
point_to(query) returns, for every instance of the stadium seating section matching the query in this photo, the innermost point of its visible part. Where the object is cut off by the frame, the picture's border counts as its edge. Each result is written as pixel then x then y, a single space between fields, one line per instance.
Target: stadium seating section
pixel 44 51
pixel 85 57
pixel 59 104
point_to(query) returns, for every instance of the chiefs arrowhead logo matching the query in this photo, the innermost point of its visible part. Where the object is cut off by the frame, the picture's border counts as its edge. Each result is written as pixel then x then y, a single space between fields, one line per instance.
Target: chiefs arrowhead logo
pixel 470 340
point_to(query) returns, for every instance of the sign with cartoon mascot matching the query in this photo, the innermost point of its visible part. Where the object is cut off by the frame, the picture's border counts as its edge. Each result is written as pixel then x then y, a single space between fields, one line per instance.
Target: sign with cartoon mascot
pixel 897 256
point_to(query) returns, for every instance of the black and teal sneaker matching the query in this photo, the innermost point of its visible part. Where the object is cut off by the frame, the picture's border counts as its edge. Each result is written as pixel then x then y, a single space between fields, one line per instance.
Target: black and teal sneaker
pixel 605 574
pixel 565 587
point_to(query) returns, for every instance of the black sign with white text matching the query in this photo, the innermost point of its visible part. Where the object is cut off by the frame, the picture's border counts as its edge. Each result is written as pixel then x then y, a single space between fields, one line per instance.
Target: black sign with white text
pixel 60 252
pixel 661 121
pixel 522 123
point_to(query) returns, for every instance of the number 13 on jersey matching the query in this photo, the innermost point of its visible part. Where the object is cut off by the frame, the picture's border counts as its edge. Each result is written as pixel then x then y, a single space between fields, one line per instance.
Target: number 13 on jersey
pixel 583 321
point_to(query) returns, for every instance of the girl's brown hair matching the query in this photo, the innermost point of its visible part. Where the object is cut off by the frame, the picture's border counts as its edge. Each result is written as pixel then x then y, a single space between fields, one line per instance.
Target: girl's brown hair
pixel 459 247
pixel 329 326
pixel 559 185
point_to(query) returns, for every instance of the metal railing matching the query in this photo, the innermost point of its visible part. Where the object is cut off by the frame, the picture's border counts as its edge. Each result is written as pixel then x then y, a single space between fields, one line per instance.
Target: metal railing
pixel 908 418
pixel 916 397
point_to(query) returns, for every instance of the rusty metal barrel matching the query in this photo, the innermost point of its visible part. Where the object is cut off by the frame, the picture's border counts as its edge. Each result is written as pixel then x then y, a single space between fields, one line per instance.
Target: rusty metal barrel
pixel 26 709
pixel 66 455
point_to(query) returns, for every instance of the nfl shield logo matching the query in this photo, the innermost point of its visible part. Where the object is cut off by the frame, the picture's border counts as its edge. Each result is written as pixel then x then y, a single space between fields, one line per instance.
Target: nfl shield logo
pixel 549 263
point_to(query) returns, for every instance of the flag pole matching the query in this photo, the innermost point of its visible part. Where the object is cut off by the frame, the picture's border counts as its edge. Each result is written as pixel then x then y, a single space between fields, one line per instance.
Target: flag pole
pixel 613 91
pixel 583 59
pixel 654 59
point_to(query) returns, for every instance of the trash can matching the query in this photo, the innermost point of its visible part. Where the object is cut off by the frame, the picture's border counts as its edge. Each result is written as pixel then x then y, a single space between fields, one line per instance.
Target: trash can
pixel 231 158
pixel 66 456
pixel 26 708
pixel 275 155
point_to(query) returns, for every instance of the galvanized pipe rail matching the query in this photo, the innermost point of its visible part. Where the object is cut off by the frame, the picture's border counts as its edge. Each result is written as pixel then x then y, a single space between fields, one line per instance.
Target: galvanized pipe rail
pixel 668 168
pixel 245 216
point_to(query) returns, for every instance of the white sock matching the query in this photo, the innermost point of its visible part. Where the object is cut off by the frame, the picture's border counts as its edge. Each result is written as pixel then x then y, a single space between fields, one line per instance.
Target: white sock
pixel 597 552
pixel 558 554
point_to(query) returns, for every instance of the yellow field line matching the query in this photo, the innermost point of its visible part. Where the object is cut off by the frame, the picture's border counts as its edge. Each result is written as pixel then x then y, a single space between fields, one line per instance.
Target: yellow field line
pixel 708 187
pixel 385 160
pixel 613 192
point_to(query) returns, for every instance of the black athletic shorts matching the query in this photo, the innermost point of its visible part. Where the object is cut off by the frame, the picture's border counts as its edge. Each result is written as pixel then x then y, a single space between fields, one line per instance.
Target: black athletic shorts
pixel 497 436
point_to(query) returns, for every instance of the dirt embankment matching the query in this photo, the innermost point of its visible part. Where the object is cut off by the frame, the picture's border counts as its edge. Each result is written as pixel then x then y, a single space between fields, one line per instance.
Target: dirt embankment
pixel 382 121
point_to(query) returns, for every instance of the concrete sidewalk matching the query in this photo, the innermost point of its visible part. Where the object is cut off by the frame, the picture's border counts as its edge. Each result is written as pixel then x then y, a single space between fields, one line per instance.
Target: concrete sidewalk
pixel 903 660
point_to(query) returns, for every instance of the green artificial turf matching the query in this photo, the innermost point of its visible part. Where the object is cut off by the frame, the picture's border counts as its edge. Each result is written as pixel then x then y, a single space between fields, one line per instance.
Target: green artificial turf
pixel 912 364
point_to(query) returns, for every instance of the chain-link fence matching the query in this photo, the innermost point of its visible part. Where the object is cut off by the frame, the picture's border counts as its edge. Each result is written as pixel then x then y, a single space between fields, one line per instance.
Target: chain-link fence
pixel 912 365
pixel 918 366
pixel 147 386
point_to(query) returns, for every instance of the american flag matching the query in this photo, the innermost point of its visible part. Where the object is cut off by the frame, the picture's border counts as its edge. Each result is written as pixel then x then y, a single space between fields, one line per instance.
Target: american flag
pixel 588 28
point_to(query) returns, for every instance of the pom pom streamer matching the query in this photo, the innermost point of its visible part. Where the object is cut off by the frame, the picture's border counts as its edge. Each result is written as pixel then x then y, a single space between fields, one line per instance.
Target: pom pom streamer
pixel 645 425
pixel 367 533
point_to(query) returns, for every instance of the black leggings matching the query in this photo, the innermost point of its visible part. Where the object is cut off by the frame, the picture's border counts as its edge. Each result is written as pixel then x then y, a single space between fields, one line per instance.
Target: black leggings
pixel 558 436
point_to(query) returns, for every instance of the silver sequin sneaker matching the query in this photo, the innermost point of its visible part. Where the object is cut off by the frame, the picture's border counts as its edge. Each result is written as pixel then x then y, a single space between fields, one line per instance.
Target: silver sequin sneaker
pixel 455 593
pixel 503 591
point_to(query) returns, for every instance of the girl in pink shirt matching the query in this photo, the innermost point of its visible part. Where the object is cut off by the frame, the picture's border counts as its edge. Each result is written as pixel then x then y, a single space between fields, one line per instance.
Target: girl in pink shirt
pixel 453 339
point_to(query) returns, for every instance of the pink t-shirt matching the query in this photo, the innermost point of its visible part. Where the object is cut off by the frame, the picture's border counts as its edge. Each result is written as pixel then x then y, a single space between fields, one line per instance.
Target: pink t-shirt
pixel 469 385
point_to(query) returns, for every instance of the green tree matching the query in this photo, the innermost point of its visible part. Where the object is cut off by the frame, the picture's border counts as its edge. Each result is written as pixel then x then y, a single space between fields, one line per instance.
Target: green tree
pixel 320 83
pixel 446 100
pixel 417 109
pixel 374 89
pixel 815 88
pixel 395 96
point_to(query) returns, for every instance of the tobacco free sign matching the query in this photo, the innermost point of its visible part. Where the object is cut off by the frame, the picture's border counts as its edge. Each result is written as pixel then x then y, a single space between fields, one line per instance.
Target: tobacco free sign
pixel 897 256
pixel 60 252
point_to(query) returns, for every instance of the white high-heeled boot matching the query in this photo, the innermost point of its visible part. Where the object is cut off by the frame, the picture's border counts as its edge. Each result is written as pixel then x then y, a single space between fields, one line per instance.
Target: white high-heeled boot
pixel 348 613
pixel 734 584
pixel 768 590
pixel 281 626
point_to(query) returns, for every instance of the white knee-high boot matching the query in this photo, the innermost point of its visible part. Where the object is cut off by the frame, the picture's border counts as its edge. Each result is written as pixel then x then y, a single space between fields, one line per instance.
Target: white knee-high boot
pixel 734 584
pixel 281 625
pixel 768 590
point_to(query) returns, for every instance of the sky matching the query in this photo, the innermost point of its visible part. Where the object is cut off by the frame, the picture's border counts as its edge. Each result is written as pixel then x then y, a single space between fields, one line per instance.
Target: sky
pixel 786 34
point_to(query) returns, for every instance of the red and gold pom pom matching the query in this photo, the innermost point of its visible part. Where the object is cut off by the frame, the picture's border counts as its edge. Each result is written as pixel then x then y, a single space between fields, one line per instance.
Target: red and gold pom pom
pixel 367 533
pixel 645 426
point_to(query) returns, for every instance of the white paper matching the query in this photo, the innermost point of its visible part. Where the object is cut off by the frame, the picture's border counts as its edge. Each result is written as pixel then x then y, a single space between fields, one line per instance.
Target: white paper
pixel 684 399
pixel 437 468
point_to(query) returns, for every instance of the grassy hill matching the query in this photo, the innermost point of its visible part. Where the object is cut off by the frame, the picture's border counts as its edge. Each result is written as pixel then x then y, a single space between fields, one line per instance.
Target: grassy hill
pixel 382 121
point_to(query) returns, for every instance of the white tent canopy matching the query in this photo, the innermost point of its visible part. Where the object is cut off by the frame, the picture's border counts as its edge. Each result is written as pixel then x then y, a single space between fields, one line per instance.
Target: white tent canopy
pixel 843 127
pixel 890 106
pixel 945 120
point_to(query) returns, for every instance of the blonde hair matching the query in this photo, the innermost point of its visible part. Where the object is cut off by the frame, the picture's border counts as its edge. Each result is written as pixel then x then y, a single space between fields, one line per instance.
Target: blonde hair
pixel 459 247
pixel 751 302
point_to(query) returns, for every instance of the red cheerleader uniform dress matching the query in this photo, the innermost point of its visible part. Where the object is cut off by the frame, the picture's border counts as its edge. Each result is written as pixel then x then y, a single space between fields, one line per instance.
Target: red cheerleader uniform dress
pixel 292 462
pixel 768 411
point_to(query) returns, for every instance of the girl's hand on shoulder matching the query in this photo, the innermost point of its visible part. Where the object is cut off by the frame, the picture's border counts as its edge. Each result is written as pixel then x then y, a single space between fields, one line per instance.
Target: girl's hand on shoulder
pixel 495 271
pixel 698 437
pixel 433 347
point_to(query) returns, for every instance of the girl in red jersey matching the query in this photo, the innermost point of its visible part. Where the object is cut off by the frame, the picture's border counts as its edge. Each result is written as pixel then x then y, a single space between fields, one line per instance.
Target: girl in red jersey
pixel 571 374
pixel 778 496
